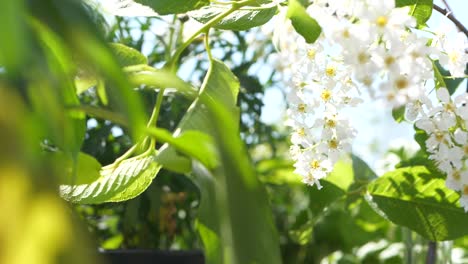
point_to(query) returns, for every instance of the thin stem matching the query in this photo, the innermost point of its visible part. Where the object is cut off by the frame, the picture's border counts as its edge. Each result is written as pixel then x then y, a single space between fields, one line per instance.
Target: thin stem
pixel 154 116
pixel 207 45
pixel 408 240
pixel 235 6
pixel 450 16
pixel 431 253
pixel 171 38
pixel 156 109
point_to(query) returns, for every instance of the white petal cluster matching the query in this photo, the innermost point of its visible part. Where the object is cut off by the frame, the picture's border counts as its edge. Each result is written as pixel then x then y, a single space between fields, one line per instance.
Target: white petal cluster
pixel 370 44
pixel 447 141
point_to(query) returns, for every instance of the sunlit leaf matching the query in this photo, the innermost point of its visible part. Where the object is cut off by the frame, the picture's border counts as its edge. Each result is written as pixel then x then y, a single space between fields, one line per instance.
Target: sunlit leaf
pixel 413 198
pixel 119 181
pixel 420 9
pixel 127 56
pixel 305 25
pixel 242 19
pixel 134 8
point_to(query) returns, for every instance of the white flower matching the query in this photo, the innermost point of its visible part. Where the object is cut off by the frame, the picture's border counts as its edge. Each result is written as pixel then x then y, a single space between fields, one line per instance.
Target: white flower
pixel 454 179
pixel 456 58
pixel 464 194
pixel 312 167
pixel 445 114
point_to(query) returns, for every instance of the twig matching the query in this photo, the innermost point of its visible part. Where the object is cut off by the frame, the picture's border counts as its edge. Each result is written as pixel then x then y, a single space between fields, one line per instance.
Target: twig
pixel 447 6
pixel 450 16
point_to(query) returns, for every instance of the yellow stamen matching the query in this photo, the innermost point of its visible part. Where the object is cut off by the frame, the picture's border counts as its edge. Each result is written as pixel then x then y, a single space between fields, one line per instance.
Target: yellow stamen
pixel 401 83
pixel 326 95
pixel 333 144
pixel 456 175
pixel 311 53
pixel 301 108
pixel 330 123
pixel 301 131
pixel 381 21
pixel 363 57
pixel 330 71
pixel 389 60
pixel 315 164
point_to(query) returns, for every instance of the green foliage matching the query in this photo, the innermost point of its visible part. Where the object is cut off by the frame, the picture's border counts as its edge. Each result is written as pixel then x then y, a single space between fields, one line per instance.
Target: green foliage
pixel 420 9
pixel 221 208
pixel 193 144
pixel 443 79
pixel 127 56
pixel 399 114
pixel 165 7
pixel 305 25
pixel 242 19
pixel 119 181
pixel 207 182
pixel 412 197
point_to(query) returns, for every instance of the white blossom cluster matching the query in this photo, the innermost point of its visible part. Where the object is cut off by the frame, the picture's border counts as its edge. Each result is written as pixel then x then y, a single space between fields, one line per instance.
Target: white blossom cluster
pixel 447 143
pixel 371 44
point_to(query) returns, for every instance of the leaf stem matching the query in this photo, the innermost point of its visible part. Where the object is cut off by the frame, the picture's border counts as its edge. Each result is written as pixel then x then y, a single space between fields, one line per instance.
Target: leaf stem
pixel 207 45
pixel 235 6
pixel 157 108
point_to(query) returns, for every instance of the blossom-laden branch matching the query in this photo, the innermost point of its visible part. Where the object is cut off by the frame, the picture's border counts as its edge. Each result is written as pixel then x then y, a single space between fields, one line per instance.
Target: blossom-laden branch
pixel 450 16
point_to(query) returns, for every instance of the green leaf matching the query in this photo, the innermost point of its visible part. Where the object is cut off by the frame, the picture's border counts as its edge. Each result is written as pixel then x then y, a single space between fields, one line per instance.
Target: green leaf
pixel 420 9
pixel 194 144
pixel 242 19
pixel 305 25
pixel 165 7
pixel 413 198
pixel 52 98
pixel 119 181
pixel 342 174
pixel 399 114
pixel 303 235
pixel 319 199
pixel 362 175
pixel 443 79
pixel 151 77
pixel 127 56
pixel 234 204
pixel 84 171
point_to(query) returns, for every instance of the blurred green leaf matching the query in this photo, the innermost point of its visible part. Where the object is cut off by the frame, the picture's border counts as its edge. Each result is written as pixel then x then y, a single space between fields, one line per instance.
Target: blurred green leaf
pixel 223 213
pixel 127 56
pixel 319 199
pixel 413 198
pixel 52 100
pixel 398 114
pixel 420 9
pixel 14 45
pixel 165 7
pixel 85 166
pixel 305 25
pixel 242 19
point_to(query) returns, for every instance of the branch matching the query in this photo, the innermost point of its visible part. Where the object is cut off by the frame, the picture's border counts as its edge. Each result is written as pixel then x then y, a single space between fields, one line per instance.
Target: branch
pixel 450 16
pixel 447 6
pixel 431 257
